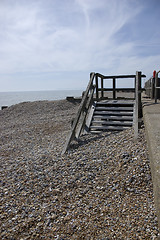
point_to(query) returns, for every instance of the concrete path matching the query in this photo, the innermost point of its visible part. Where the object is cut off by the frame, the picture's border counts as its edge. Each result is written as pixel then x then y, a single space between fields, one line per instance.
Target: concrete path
pixel 151 116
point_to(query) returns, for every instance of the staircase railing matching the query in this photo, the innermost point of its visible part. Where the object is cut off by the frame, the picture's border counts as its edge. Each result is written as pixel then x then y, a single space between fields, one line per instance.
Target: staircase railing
pixel 79 121
pixel 88 97
pixel 100 90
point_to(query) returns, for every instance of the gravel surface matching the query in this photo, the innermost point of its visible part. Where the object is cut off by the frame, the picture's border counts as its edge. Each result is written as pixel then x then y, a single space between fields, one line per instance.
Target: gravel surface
pixel 100 189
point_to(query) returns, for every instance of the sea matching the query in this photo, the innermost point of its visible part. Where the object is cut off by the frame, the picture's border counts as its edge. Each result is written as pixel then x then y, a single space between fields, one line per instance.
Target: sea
pixel 12 98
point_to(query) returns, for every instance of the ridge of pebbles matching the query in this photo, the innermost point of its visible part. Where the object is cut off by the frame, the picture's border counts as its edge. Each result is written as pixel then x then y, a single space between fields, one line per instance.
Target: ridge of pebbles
pixel 100 189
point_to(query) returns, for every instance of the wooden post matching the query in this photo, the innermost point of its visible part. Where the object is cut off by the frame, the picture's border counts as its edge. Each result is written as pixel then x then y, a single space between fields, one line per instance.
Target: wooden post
pixel 135 89
pixel 79 113
pixel 152 87
pixel 102 92
pixel 135 120
pixel 114 88
pixel 139 95
pixel 97 94
pixel 156 84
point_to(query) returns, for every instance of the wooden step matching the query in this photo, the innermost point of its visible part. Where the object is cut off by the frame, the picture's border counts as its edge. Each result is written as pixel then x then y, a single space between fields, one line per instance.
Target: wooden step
pixel 112 116
pixel 113 113
pixel 112 104
pixel 115 118
pixel 114 109
pixel 111 123
pixel 110 128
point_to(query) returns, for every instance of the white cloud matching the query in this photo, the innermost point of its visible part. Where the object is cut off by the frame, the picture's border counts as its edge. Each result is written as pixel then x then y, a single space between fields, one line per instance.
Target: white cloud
pixel 73 35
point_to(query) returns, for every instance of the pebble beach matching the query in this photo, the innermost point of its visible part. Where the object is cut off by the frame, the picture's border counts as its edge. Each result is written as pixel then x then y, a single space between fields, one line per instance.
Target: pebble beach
pixel 100 189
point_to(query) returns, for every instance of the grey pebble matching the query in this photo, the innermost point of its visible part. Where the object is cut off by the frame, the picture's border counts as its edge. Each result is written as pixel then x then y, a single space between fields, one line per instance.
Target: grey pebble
pixel 100 189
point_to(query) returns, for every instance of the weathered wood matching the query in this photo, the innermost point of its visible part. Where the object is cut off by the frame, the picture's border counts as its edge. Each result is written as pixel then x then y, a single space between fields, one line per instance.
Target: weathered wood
pixel 139 95
pixel 120 117
pixel 115 118
pixel 118 89
pixel 114 88
pixel 80 110
pixel 102 92
pixel 135 120
pixel 113 113
pixel 90 99
pixel 117 123
pixel 89 118
pixel 111 128
pixel 82 120
pixel 79 122
pixel 4 107
pixel 114 108
pixel 70 99
pixel 119 76
pixel 97 94
pixel 114 103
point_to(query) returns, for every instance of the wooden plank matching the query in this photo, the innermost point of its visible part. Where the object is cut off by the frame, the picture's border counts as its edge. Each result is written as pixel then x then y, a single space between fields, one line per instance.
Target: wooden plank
pixel 97 94
pixel 99 104
pixel 116 101
pixel 114 108
pixel 119 76
pixel 117 89
pixel 115 118
pixel 110 123
pixel 135 120
pixel 114 88
pixel 113 113
pixel 139 95
pixel 81 108
pixel 89 119
pixel 82 120
pixel 102 95
pixel 111 128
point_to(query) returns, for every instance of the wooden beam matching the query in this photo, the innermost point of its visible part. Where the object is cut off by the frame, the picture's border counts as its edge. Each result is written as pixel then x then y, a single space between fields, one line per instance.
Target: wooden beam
pixel 97 94
pixel 139 95
pixel 80 110
pixel 117 89
pixel 114 88
pixel 117 76
pixel 82 119
pixel 102 95
pixel 135 120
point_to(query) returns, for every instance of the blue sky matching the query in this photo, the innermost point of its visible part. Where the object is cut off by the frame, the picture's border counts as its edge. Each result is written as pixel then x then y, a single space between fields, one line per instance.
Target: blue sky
pixel 55 44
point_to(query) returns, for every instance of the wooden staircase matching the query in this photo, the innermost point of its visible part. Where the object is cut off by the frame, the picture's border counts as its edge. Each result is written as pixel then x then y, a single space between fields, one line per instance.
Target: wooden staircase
pixel 97 113
pixel 112 115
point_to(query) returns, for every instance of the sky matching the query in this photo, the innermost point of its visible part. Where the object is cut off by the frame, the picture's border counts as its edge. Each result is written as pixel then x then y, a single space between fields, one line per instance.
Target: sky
pixel 55 44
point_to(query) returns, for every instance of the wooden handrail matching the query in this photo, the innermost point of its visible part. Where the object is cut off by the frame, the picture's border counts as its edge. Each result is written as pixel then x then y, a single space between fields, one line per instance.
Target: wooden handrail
pixel 81 109
pixel 83 119
pixel 79 122
pixel 114 89
pixel 136 105
pixel 119 76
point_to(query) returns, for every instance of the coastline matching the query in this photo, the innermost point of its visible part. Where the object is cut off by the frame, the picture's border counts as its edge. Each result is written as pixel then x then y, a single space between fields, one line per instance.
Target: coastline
pixel 12 98
pixel 101 188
